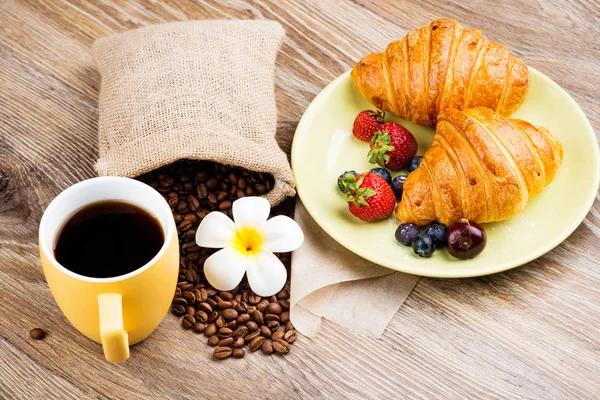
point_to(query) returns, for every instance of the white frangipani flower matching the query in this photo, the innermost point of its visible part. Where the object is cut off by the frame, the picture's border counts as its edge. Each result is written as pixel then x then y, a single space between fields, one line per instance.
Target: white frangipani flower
pixel 247 246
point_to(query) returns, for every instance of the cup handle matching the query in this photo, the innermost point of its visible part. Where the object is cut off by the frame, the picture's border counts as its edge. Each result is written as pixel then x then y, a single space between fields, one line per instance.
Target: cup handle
pixel 115 340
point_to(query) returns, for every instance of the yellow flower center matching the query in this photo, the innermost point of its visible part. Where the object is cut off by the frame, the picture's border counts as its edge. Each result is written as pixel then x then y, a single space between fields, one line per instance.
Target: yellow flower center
pixel 248 240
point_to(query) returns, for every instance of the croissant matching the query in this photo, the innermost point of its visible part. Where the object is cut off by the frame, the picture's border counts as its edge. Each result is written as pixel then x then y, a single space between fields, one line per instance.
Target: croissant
pixel 481 166
pixel 438 66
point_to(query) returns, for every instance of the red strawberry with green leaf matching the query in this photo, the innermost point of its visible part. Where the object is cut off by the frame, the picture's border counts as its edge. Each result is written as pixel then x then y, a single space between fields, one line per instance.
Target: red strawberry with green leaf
pixel 392 146
pixel 369 196
pixel 367 122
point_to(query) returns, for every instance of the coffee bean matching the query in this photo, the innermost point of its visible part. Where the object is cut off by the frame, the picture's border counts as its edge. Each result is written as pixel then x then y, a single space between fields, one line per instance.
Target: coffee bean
pixel 178 309
pixel 191 275
pixel 252 326
pixel 290 336
pixel 241 332
pixel 267 348
pixel 233 304
pixel 189 296
pixel 222 195
pixel 262 305
pixel 201 316
pixel 232 178
pixel 187 286
pixel 245 296
pixel 232 325
pixel 192 257
pixel 211 330
pixel 224 304
pixel 240 193
pixel 285 305
pixel 222 353
pixel 193 203
pixel 199 327
pixel 243 319
pixel 273 325
pixel 211 302
pixel 201 191
pixel 251 309
pixel 230 314
pixel 289 326
pixel 278 335
pixel 274 308
pixel 227 296
pixel 187 321
pixel 37 333
pixel 226 342
pixel 210 292
pixel 238 353
pixel 220 322
pixel 177 292
pixel 213 341
pixel 225 205
pixel 264 331
pixel 190 310
pixel 251 336
pixel 180 300
pixel 166 182
pixel 212 317
pixel 281 346
pixel 185 224
pixel 239 342
pixel 225 332
pixel 212 200
pixel 212 183
pixel 173 202
pixel 257 317
pixel 253 298
pixel 241 183
pixel 260 188
pixel 249 191
pixel 256 343
pixel 204 306
pixel 272 317
pixel 203 296
pixel 285 317
pixel 178 218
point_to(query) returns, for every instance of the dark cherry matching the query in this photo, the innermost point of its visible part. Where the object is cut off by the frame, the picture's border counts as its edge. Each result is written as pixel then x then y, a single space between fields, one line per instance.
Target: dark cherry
pixel 465 239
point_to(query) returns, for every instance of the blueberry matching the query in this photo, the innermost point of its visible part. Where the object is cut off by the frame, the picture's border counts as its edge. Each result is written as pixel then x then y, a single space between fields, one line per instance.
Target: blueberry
pixel 437 233
pixel 343 177
pixel 406 233
pixel 423 246
pixel 398 186
pixel 384 173
pixel 414 163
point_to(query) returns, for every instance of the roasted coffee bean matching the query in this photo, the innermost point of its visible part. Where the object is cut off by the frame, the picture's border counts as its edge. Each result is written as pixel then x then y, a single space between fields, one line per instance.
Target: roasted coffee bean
pixel 201 191
pixel 185 224
pixel 222 353
pixel 285 317
pixel 264 331
pixel 273 325
pixel 199 327
pixel 249 191
pixel 212 317
pixel 290 336
pixel 222 195
pixel 278 334
pixel 178 218
pixel 232 325
pixel 204 306
pixel 225 205
pixel 201 175
pixel 211 292
pixel 232 178
pixel 251 309
pixel 181 284
pixel 212 183
pixel 262 305
pixel 197 295
pixel 260 188
pixel 189 296
pixel 257 317
pixel 212 200
pixel 188 321
pixel 211 302
pixel 166 182
pixel 191 275
pixel 224 304
pixel 37 333
pixel 230 314
pixel 241 183
pixel 238 298
pixel 267 348
pixel 201 316
pixel 285 305
pixel 220 322
pixel 273 299
pixel 272 317
pixel 289 326
pixel 238 353
pixel 256 343
pixel 226 342
pixel 224 333
pixel 173 202
pixel 252 326
pixel 253 298
pixel 242 331
pixel 233 303
pixel 211 329
pixel 187 287
pixel 180 300
pixel 178 309
pixel 192 257
pixel 190 310
pixel 274 308
pixel 239 342
pixel 227 296
pixel 281 346
pixel 251 336
pixel 203 296
pixel 193 203
pixel 245 296
pixel 243 319
pixel 213 341
pixel 240 193
pixel 177 292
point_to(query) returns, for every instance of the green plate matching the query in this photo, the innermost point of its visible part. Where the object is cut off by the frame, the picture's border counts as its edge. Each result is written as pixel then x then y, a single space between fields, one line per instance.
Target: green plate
pixel 324 147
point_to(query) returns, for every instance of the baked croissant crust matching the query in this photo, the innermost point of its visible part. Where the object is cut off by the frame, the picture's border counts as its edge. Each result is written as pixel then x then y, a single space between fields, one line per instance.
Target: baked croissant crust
pixel 438 66
pixel 481 166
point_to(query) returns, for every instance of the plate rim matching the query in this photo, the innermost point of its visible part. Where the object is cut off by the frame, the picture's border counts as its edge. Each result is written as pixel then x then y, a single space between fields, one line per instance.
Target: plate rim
pixel 311 112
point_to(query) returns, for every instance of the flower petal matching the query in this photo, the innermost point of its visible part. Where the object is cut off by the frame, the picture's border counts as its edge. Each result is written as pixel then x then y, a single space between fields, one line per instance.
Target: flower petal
pixel 215 231
pixel 250 211
pixel 225 269
pixel 266 274
pixel 282 234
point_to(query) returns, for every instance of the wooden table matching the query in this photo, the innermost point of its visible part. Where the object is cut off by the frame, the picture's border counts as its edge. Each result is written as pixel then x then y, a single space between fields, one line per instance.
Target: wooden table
pixel 532 332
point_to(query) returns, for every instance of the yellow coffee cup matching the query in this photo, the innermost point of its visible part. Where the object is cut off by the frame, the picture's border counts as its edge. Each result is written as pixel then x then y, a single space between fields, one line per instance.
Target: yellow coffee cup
pixel 122 310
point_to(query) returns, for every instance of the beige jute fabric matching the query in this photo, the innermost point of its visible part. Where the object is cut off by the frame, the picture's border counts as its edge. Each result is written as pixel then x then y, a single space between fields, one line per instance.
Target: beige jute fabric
pixel 201 90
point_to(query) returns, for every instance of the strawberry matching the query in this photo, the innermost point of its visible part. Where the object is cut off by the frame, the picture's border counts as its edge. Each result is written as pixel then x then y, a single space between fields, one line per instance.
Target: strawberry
pixel 367 122
pixel 369 197
pixel 392 147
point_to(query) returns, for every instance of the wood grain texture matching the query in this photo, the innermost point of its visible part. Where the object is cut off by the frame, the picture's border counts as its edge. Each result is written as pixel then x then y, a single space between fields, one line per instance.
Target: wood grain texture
pixel 533 332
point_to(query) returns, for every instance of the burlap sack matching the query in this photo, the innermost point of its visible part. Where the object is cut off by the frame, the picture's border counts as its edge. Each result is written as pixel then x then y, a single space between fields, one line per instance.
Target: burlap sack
pixel 200 90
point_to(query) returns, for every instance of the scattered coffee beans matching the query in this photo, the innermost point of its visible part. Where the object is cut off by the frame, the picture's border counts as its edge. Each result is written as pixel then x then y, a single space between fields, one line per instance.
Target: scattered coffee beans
pixel 37 333
pixel 229 319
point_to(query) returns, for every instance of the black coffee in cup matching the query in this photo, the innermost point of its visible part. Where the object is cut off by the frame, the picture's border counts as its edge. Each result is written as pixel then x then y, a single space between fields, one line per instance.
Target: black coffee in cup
pixel 107 239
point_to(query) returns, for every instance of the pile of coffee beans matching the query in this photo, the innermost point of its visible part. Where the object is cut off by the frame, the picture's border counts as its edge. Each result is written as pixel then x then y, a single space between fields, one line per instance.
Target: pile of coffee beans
pixel 237 318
